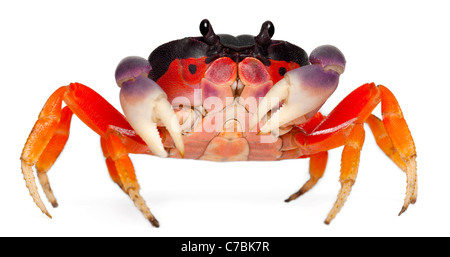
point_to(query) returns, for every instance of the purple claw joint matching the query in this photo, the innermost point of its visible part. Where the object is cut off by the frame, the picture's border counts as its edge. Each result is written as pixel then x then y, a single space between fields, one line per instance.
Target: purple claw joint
pixel 329 57
pixel 145 105
pixel 130 68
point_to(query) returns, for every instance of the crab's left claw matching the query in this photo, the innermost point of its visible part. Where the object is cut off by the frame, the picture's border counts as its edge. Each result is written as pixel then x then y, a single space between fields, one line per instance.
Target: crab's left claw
pixel 302 91
pixel 145 105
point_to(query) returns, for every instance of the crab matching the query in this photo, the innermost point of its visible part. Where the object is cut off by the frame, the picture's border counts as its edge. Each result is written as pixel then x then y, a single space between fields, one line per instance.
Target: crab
pixel 221 98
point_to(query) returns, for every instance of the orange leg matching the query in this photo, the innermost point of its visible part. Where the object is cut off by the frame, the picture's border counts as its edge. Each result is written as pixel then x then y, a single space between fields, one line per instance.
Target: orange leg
pixel 349 167
pixel 41 134
pixel 317 162
pixel 51 153
pixel 344 126
pixel 122 171
pixel 317 165
pixel 50 133
pixel 111 165
pixel 384 141
pixel 402 140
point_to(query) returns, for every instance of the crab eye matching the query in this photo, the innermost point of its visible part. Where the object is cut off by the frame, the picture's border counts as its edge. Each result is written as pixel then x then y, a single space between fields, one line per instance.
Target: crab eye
pixel 204 27
pixel 208 33
pixel 270 28
pixel 266 33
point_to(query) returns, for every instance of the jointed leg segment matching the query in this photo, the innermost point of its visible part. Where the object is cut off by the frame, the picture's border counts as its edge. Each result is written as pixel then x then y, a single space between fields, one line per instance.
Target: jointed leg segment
pixel 41 134
pixel 317 165
pixel 384 141
pixel 51 131
pixel 344 126
pixel 393 137
pixel 122 171
pixel 349 167
pixel 52 151
pixel 402 140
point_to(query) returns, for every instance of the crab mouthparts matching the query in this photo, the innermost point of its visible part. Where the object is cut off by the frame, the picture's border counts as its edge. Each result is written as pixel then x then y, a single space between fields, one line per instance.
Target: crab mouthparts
pixel 220 104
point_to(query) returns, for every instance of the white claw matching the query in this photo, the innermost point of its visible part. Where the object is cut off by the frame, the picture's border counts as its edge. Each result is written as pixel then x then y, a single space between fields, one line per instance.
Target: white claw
pixel 168 117
pixel 271 100
pixel 145 104
pixel 302 91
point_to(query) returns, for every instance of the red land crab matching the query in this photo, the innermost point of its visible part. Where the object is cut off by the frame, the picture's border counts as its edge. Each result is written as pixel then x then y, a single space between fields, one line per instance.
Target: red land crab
pixel 225 98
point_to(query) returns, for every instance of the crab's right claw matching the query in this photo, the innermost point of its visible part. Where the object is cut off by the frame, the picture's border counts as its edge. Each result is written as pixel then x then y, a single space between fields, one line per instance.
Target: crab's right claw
pixel 302 91
pixel 145 105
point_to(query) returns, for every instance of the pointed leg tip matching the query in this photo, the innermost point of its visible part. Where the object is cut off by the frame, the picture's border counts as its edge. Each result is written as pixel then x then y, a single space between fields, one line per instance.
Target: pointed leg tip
pixel 154 222
pixel 296 195
pixel 404 208
pixel 329 219
pixel 292 197
pixel 48 215
pixel 29 178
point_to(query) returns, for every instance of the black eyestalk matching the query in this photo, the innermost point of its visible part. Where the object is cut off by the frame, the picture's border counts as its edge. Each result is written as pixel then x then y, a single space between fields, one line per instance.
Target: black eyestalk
pixel 208 33
pixel 265 35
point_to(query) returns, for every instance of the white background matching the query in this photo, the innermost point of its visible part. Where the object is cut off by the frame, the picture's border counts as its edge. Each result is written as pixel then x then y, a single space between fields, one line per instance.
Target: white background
pixel 47 44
